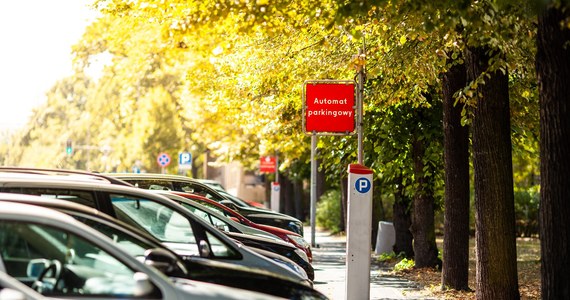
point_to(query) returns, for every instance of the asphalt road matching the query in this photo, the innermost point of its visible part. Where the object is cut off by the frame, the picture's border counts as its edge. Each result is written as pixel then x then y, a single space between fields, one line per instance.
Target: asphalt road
pixel 330 271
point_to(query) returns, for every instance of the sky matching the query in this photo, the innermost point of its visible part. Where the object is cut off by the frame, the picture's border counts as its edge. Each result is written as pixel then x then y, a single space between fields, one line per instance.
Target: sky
pixel 35 51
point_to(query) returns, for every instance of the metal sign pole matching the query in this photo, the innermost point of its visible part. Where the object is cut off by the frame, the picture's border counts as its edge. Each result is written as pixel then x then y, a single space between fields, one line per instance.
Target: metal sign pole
pixel 359 92
pixel 313 187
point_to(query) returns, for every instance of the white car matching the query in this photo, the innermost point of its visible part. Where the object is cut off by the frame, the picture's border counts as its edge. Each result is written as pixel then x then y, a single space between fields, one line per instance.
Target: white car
pixel 63 258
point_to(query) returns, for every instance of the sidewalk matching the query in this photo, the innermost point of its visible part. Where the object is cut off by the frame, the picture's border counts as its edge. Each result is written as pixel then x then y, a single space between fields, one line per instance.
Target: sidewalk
pixel 330 271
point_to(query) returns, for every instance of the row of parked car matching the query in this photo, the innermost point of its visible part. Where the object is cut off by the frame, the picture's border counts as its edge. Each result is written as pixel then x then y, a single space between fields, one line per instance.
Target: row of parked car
pixel 82 235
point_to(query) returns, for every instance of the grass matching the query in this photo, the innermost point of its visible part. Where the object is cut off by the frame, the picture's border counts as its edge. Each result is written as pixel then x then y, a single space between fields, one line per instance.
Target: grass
pixel 528 264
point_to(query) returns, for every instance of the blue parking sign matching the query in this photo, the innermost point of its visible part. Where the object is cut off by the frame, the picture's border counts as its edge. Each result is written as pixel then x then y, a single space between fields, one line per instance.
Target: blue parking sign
pixel 185 159
pixel 362 185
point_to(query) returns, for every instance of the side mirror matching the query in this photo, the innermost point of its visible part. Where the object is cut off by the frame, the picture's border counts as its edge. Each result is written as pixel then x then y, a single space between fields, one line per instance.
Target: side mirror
pixel 205 250
pixel 160 259
pixel 36 266
pixel 229 204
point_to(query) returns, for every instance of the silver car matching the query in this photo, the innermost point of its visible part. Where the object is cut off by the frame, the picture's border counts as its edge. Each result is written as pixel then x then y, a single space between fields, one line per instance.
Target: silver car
pixel 63 258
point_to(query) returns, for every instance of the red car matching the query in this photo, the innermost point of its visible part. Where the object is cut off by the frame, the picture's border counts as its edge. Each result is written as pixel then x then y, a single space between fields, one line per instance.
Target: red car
pixel 286 235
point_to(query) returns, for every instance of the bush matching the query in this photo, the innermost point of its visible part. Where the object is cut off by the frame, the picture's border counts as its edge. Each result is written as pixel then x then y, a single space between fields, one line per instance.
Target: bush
pixel 328 213
pixel 526 211
pixel 404 264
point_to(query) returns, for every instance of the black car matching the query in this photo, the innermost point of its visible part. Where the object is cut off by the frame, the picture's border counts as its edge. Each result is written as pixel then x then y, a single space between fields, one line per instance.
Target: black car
pixel 152 252
pixel 249 238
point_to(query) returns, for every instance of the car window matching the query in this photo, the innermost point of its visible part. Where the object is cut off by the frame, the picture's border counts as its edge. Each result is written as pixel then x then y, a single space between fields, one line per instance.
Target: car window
pixel 131 245
pixel 212 206
pixel 82 197
pixel 160 220
pixel 61 263
pixel 194 188
pixel 217 222
pixel 169 226
pixel 151 184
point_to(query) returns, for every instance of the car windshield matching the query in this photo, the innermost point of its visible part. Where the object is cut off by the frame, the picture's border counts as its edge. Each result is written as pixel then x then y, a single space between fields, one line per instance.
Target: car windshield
pixel 172 228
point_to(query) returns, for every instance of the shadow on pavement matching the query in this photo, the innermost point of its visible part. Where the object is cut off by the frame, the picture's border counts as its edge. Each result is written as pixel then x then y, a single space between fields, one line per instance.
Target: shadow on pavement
pixel 330 272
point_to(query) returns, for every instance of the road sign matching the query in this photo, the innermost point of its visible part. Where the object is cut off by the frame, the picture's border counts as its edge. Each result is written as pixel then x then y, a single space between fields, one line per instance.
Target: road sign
pixel 267 164
pixel 185 160
pixel 362 185
pixel 329 107
pixel 163 159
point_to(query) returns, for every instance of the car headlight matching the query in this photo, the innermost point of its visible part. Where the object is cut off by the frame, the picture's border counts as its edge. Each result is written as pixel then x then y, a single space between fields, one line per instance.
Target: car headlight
pixel 299 240
pixel 302 254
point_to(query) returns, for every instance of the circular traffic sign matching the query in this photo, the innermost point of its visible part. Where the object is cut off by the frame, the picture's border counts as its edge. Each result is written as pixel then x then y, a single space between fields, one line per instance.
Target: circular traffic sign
pixel 163 159
pixel 362 185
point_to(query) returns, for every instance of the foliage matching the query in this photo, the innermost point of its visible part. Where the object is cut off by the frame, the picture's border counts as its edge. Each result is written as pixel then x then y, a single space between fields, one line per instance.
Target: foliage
pixel 328 214
pixel 404 264
pixel 526 211
pixel 390 256
pixel 226 76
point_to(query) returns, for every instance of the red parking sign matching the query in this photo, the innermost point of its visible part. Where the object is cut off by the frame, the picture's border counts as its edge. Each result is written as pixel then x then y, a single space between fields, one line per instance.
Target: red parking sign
pixel 329 106
pixel 267 164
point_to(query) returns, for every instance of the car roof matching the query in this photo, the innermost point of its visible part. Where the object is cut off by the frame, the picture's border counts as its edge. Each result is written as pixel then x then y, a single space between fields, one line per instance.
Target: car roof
pixel 71 174
pixel 149 175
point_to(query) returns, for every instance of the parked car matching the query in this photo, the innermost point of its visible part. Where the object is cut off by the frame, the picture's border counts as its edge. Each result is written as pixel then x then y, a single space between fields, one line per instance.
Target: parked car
pixel 212 183
pixel 249 236
pixel 153 253
pixel 216 185
pixel 185 184
pixel 59 256
pixel 286 235
pixel 175 226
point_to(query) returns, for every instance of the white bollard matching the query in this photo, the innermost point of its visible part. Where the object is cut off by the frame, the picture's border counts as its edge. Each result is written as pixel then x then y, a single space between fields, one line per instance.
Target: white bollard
pixel 359 230
pixel 275 191
pixel 386 237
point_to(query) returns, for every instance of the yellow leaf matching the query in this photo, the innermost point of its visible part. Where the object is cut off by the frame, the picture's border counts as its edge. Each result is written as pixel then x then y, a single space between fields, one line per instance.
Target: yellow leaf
pixel 403 40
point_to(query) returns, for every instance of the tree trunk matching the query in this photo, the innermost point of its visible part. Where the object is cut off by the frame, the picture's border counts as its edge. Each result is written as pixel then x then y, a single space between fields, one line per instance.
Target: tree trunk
pixel 423 228
pixel 402 223
pixel 497 276
pixel 455 273
pixel 343 203
pixel 553 70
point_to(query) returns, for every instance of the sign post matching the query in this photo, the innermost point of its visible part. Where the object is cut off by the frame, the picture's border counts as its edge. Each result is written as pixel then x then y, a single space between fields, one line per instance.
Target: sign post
pixel 329 110
pixel 268 164
pixel 359 231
